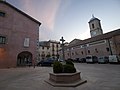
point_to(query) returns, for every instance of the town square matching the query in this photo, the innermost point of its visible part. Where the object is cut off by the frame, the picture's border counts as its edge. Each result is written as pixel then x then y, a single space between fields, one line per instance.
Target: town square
pixel 59 45
pixel 98 76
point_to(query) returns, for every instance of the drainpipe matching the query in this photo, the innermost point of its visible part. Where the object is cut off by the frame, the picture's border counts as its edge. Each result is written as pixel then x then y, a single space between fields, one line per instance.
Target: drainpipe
pixel 110 47
pixel 85 48
pixel 70 52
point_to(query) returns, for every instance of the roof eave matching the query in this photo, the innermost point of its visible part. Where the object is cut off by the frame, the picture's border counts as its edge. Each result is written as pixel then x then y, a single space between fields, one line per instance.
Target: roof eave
pixel 21 12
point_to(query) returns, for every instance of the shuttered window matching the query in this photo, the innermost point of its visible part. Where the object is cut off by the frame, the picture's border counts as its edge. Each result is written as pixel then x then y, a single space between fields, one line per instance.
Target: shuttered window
pixel 2 40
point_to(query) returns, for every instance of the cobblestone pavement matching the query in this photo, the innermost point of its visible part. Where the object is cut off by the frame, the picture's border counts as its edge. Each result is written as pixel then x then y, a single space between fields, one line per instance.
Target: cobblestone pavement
pixel 99 77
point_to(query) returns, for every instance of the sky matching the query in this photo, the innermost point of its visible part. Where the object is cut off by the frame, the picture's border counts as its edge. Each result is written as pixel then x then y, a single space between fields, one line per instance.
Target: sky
pixel 69 18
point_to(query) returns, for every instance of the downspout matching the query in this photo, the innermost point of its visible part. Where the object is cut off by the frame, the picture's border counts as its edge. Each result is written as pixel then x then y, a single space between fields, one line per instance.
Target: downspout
pixel 110 47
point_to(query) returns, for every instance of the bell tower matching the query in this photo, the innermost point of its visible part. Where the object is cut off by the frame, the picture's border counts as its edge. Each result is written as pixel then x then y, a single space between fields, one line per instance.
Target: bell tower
pixel 95 26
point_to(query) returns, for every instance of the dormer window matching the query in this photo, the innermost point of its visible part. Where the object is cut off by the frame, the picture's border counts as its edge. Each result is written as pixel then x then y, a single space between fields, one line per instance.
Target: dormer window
pixel 2 14
pixel 2 40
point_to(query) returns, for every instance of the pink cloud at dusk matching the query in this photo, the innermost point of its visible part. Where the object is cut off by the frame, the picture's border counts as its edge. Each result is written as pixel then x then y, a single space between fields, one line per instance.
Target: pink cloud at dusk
pixel 43 10
pixel 69 18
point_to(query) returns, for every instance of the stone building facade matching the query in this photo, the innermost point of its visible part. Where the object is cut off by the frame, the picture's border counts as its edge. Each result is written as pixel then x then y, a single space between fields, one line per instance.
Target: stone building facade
pixel 98 45
pixel 49 49
pixel 19 36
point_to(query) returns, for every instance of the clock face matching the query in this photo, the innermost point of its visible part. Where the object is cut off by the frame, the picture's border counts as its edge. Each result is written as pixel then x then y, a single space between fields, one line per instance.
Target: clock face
pixel 93 33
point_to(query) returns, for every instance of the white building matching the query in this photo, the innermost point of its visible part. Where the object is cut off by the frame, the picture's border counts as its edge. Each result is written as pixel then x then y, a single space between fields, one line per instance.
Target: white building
pixel 49 49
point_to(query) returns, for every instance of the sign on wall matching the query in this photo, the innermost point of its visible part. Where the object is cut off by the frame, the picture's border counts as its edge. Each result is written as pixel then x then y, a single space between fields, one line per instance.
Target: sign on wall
pixel 26 42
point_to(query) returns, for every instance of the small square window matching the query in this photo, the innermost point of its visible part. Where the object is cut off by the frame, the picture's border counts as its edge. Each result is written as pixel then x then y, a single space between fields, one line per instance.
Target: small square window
pixel 2 40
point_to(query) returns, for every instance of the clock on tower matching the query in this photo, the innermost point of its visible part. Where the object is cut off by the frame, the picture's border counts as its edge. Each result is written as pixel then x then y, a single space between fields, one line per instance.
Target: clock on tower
pixel 95 26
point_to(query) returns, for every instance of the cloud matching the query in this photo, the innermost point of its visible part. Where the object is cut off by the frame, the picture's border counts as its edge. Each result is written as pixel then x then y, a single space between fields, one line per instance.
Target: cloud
pixel 43 10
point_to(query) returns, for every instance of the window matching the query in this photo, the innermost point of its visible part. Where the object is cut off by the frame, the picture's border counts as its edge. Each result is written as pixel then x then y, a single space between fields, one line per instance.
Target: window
pixel 53 54
pixel 2 14
pixel 72 53
pixel 57 45
pixel 82 46
pixel 68 54
pixel 47 47
pixel 96 50
pixel 88 57
pixel 43 47
pixel 88 51
pixel 82 52
pixel 2 40
pixel 93 26
pixel 107 49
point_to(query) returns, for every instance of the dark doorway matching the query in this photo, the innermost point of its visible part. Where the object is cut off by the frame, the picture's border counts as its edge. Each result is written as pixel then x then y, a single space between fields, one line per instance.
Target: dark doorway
pixel 24 59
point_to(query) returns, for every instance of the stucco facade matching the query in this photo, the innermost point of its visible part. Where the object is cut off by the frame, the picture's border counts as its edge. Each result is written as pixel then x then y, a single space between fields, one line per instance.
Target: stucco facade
pixel 98 45
pixel 102 45
pixel 49 49
pixel 21 34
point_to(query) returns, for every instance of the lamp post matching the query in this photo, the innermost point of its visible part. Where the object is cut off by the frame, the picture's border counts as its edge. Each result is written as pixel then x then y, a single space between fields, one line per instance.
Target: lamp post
pixel 63 54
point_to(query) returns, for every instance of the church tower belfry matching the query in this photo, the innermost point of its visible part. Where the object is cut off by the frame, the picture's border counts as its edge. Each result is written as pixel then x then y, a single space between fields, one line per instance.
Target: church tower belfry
pixel 95 26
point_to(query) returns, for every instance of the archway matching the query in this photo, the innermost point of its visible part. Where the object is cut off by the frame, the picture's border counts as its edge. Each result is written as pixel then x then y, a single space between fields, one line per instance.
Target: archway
pixel 24 58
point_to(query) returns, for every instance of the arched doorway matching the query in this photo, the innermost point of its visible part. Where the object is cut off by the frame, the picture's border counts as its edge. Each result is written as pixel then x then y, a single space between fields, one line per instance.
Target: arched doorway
pixel 24 58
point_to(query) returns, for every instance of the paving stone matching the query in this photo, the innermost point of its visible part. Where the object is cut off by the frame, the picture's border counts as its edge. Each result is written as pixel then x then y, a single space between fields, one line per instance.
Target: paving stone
pixel 98 76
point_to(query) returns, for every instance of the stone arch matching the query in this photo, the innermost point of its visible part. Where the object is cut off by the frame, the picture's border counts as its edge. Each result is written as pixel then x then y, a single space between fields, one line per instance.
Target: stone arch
pixel 24 58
